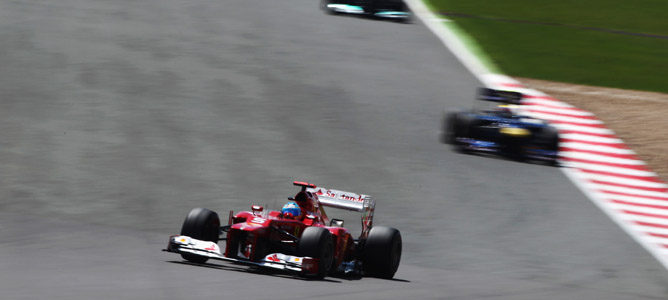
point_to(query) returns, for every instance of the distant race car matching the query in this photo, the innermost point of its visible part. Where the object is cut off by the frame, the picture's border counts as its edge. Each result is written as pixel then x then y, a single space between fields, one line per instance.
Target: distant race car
pixel 387 9
pixel 300 238
pixel 502 130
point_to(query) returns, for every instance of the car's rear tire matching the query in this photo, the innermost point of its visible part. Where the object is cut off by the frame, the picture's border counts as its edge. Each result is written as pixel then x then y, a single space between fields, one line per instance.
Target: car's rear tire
pixel 201 224
pixel 382 252
pixel 316 242
pixel 371 8
pixel 549 136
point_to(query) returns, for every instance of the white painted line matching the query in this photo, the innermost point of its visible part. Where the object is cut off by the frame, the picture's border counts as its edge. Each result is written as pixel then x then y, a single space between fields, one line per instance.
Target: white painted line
pixel 655 240
pixel 645 210
pixel 552 117
pixel 601 158
pixel 645 219
pixel 602 168
pixel 525 91
pixel 638 204
pixel 589 138
pixel 637 192
pixel 583 129
pixel 449 39
pixel 657 203
pixel 500 80
pixel 631 200
pixel 547 110
pixel 622 180
pixel 587 147
pixel 644 230
pixel 537 102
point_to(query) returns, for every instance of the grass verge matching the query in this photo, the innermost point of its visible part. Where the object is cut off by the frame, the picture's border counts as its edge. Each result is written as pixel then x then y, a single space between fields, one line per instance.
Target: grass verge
pixel 623 46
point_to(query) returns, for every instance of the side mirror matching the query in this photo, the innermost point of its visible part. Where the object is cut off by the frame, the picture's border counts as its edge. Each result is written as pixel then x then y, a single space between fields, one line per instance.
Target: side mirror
pixel 336 223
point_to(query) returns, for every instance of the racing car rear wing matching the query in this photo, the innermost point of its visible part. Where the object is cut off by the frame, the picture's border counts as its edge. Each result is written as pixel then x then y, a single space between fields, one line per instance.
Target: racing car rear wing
pixel 508 97
pixel 343 200
pixel 348 201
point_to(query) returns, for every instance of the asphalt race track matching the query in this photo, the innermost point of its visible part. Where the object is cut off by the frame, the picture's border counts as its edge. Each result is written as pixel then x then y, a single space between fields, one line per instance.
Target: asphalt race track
pixel 117 117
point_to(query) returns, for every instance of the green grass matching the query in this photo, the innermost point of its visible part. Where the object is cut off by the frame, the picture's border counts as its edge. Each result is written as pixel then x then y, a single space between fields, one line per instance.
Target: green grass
pixel 567 50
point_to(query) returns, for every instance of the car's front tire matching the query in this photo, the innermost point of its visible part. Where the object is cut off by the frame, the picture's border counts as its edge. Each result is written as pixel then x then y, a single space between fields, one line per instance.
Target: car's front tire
pixel 201 224
pixel 449 134
pixel 316 242
pixel 457 125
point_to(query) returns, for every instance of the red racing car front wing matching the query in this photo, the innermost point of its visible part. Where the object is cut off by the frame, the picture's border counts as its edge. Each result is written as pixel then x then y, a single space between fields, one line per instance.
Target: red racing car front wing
pixel 186 245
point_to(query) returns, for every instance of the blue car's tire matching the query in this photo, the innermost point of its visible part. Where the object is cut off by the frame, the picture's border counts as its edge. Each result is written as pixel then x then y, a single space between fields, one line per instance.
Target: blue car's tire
pixel 457 125
pixel 548 138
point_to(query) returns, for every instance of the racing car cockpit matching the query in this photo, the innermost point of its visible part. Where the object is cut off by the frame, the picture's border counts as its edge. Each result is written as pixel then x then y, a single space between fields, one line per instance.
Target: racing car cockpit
pixel 311 210
pixel 506 111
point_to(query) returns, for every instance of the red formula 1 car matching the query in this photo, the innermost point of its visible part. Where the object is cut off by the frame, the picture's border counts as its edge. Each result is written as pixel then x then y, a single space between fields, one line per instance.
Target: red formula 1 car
pixel 300 238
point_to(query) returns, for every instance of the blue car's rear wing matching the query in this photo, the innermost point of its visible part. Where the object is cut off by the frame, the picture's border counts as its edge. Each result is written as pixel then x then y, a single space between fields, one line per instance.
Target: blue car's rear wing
pixel 508 97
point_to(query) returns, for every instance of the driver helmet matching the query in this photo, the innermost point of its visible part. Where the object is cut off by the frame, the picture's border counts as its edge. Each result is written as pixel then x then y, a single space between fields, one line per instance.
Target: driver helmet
pixel 508 110
pixel 291 209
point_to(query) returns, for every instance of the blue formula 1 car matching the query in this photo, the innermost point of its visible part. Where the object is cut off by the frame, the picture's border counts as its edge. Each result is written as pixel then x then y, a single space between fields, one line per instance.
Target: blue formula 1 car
pixel 502 130
pixel 385 9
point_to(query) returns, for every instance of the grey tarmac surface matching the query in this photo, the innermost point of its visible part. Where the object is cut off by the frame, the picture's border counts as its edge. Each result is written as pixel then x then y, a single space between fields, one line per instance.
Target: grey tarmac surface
pixel 118 117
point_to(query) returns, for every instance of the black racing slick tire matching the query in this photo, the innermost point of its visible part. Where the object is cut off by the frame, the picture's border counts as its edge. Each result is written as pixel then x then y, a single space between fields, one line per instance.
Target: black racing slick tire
pixel 448 133
pixel 317 242
pixel 548 138
pixel 201 224
pixel 382 252
pixel 457 125
pixel 371 8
